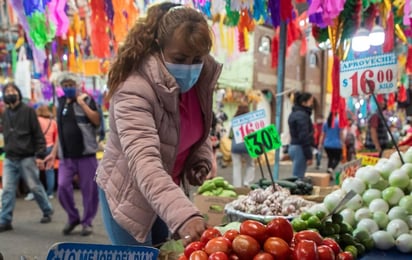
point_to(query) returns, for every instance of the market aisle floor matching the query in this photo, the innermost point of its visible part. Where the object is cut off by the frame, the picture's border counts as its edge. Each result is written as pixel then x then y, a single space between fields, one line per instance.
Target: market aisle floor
pixel 32 240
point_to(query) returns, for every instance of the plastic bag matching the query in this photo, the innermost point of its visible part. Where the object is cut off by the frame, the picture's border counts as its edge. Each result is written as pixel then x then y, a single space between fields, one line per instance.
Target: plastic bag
pixel 22 76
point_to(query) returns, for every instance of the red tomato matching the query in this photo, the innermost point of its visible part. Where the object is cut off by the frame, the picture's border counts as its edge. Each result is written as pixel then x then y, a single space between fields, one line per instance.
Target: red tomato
pixel 325 253
pixel 309 235
pixel 344 256
pixel 280 227
pixel 277 247
pixel 198 255
pixel 194 246
pixel 330 242
pixel 231 234
pixel 218 256
pixel 233 256
pixel 305 250
pixel 263 256
pixel 218 244
pixel 245 247
pixel 182 257
pixel 209 234
pixel 254 229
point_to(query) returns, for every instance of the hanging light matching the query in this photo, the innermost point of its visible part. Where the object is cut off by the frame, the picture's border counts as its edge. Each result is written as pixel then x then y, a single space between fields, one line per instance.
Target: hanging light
pixel 377 36
pixel 360 42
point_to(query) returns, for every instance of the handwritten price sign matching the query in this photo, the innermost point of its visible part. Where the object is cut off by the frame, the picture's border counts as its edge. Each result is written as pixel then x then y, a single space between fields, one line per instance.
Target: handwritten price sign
pixel 380 70
pixel 247 123
pixel 263 140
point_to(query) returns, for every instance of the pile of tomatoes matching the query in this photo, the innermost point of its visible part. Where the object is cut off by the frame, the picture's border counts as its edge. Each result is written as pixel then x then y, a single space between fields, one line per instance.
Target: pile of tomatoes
pixel 256 241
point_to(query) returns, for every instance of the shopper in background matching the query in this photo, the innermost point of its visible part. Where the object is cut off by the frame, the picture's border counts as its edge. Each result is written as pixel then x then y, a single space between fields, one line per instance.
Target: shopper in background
pixel 161 88
pixel 240 153
pixel 332 140
pixel 49 128
pixel 301 133
pixel 25 150
pixel 377 135
pixel 317 131
pixel 77 121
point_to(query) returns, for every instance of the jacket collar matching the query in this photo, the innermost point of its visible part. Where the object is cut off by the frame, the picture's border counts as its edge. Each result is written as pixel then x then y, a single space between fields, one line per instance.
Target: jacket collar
pixel 165 86
pixel 307 110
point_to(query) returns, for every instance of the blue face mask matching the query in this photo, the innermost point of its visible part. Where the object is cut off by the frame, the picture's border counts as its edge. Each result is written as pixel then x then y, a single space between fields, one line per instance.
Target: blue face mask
pixel 186 75
pixel 70 92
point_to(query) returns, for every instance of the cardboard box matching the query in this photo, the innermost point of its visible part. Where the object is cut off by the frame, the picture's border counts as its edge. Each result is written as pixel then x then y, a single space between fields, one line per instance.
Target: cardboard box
pixel 213 207
pixel 319 179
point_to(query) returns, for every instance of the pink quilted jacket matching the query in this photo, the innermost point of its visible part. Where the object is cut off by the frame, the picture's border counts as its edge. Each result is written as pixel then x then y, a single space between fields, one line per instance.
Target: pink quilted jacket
pixel 141 149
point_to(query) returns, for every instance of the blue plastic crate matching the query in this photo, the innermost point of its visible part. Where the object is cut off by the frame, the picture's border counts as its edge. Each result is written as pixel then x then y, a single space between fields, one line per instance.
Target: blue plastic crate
pixel 77 251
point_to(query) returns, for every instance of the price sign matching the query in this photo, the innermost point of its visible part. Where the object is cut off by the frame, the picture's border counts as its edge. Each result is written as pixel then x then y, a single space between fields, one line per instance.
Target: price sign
pixel 380 70
pixel 247 123
pixel 263 140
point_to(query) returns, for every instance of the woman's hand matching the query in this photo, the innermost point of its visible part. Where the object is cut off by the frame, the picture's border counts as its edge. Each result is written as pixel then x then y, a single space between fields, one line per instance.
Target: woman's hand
pixel 192 229
pixel 197 176
pixel 309 162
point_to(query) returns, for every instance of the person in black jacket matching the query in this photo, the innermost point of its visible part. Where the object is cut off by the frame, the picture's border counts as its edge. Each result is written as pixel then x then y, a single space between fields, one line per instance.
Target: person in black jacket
pixel 301 133
pixel 25 149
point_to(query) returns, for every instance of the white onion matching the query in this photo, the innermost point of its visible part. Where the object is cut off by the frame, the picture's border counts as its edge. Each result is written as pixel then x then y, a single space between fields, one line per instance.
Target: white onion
pixel 392 195
pixel 348 216
pixel 399 178
pixel 398 213
pixel 394 157
pixel 370 195
pixel 355 184
pixel 367 224
pixel 404 243
pixel 362 213
pixel 408 168
pixel 331 201
pixel 371 175
pixel 383 240
pixel 397 227
pixel 381 219
pixel 379 205
pixel 318 207
pixel 386 168
pixel 355 203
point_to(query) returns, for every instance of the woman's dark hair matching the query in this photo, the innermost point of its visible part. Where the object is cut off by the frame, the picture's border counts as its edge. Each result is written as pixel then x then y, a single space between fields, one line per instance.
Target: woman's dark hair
pixel 301 97
pixel 242 109
pixel 330 119
pixel 162 22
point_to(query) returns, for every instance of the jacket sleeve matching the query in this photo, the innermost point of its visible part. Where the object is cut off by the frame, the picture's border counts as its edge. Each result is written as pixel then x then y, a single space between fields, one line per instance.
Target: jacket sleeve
pixel 140 142
pixel 304 136
pixel 38 137
pixel 201 158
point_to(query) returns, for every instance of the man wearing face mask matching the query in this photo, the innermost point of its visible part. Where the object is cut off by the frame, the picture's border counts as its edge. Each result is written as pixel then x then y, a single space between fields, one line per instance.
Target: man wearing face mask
pixel 77 121
pixel 25 148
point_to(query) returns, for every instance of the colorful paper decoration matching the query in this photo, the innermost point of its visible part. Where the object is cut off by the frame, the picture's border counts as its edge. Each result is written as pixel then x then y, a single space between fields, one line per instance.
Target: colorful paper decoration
pixel 39 55
pixel 274 10
pixel 41 31
pixel 99 38
pixel 58 16
pixel 125 15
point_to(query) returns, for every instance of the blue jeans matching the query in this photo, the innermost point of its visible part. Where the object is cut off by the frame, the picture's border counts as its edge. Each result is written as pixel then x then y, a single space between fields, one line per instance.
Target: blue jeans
pixel 119 236
pixel 12 172
pixel 50 176
pixel 298 160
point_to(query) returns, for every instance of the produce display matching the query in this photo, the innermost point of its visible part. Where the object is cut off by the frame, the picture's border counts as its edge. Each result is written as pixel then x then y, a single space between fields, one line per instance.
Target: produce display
pixel 295 185
pixel 217 186
pixel 270 202
pixel 381 210
pixel 256 241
